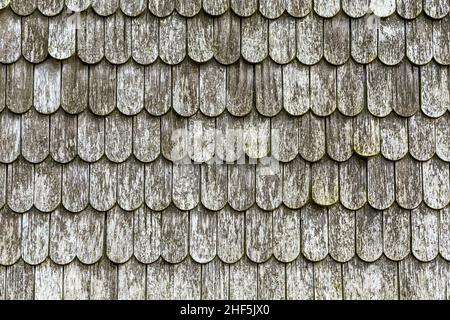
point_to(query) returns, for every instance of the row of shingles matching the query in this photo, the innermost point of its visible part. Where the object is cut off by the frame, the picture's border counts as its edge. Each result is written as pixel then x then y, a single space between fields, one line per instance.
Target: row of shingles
pixel 312 232
pixel 28 142
pixel 103 184
pixel 226 38
pixel 211 88
pixel 299 280
pixel 408 9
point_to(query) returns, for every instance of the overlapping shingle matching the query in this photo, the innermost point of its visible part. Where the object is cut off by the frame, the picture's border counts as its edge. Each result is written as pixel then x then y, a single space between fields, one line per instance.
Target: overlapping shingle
pixel 224 149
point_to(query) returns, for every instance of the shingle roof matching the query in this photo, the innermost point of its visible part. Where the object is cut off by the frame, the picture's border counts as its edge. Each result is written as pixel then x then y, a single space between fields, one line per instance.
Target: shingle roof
pixel 224 149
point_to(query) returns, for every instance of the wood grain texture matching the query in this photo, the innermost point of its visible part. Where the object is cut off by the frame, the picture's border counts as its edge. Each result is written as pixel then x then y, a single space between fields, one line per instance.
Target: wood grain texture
pixel 369 234
pixel 328 280
pixel 244 8
pixel 130 88
pixel 272 280
pixel 47 86
pixel 144 42
pixel 419 40
pixel 442 127
pixel 91 136
pixel 158 184
pixel 130 188
pixel 186 186
pixel 286 234
pixel 50 7
pixel 394 137
pixel 77 280
pixel 230 235
pixel 310 32
pixel 23 7
pixel 370 281
pixel 102 88
pixel 240 91
pixel 422 281
pixel 298 8
pixel 312 139
pixel 174 235
pixel 62 35
pixel 161 8
pixel 158 88
pixel 256 136
pixel 436 8
pixel 380 184
pixel 296 181
pixel 364 34
pixel 131 282
pixel 383 8
pixel 63 236
pixel 215 280
pixel 434 90
pixel 381 86
pixel 269 187
pixel 146 137
pixel 296 86
pixel 355 9
pixel 103 185
pixel 188 8
pixel 314 232
pixel 10 37
pixel 300 280
pixel 118 137
pixel 408 183
pixel 63 137
pixel 10 237
pixel 201 138
pixel 366 134
pixel 147 235
pixel 351 89
pixel 47 185
pixel 391 40
pixel 284 137
pixel 119 235
pixel 353 183
pixel 323 89
pixel 19 86
pixel 20 280
pixel 10 138
pixel 213 89
pixel 422 139
pixel 444 223
pixel 185 92
pixel 227 38
pixel 407 101
pixel 91 236
pixel 337 39
pixel 325 182
pixel 425 233
pixel 74 86
pixel 133 8
pixel 339 136
pixel 35 136
pixel 203 235
pixel 48 282
pixel 244 280
pixel 282 39
pixel 214 186
pixel 342 226
pixel 255 38
pixel 35 37
pixel 409 9
pixel 441 33
pixel 396 233
pixel 268 88
pixel 259 234
pixel 241 186
pixel 91 37
pixel 200 37
pixel 436 188
pixel 20 186
pixel 118 38
pixel 103 281
pixel 326 9
pixel 172 39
